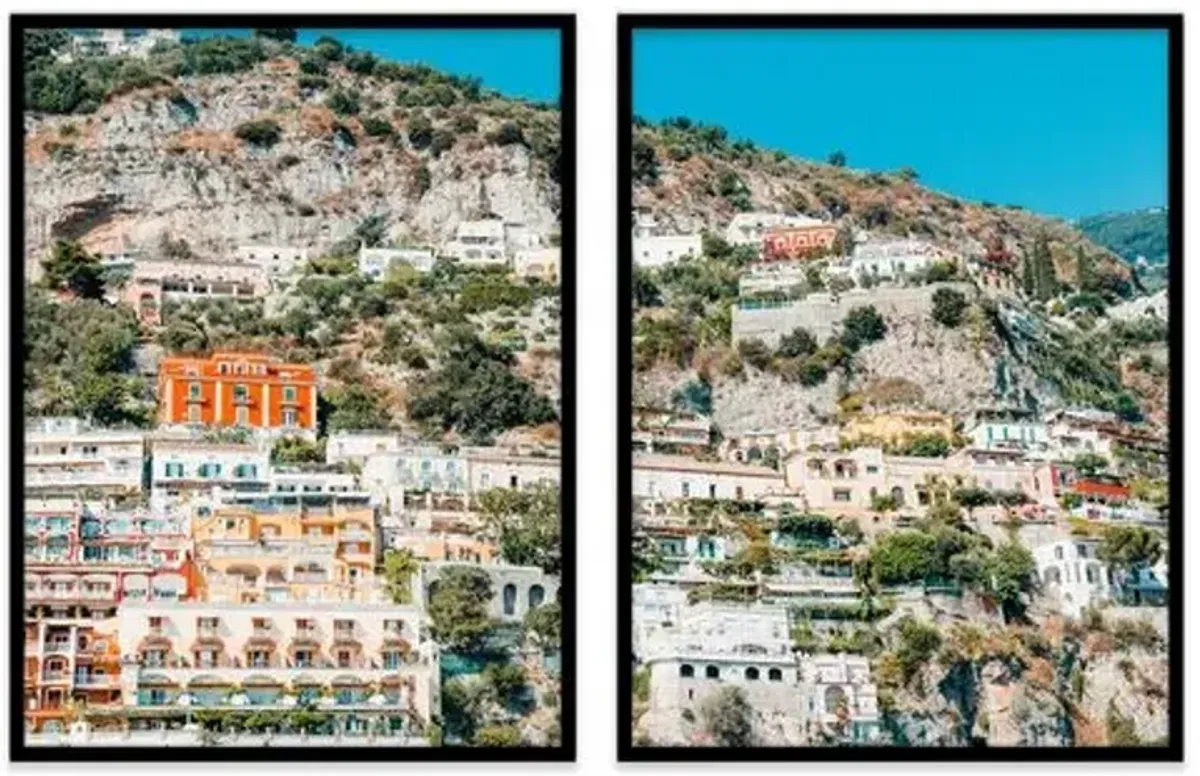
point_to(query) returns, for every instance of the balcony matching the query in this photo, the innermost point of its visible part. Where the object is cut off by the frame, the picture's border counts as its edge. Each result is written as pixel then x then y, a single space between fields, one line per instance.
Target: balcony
pixel 97 681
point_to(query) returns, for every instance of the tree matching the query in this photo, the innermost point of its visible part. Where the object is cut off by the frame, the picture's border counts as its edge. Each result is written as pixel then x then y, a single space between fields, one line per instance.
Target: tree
pixel 861 326
pixel 509 133
pixel 263 133
pixel 506 682
pixel 1128 548
pixel 1090 464
pixel 972 498
pixel 918 644
pixel 1085 270
pixel 1011 572
pixel 361 62
pixel 837 159
pixel 399 568
pixel 71 268
pixel 799 342
pixel 645 161
pixel 729 718
pixel 1044 275
pixel 948 306
pixel 420 132
pixel 806 528
pixel 495 736
pixel 645 292
pixel 755 353
pixel 545 623
pixel 344 102
pixel 281 34
pixel 528 524
pixel 294 450
pixel 460 608
pixel 356 409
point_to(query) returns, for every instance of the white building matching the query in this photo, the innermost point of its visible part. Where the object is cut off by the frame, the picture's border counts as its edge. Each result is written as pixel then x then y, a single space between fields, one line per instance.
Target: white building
pixel 521 237
pixel 1072 577
pixel 774 276
pixel 118 42
pixel 498 467
pixel 279 262
pixel 839 694
pixel 1008 429
pixel 479 243
pixel 375 262
pixel 181 467
pixel 668 477
pixel 751 228
pixel 64 455
pixel 660 250
pixel 892 259
pixel 669 429
pixel 356 446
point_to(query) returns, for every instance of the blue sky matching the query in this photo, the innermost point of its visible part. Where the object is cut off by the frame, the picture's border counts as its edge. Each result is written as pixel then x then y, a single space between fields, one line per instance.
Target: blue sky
pixel 1067 123
pixel 517 63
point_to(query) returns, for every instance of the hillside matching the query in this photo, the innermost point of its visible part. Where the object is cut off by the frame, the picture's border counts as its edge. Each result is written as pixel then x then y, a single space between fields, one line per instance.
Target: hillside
pixel 693 177
pixel 167 146
pixel 1044 349
pixel 207 145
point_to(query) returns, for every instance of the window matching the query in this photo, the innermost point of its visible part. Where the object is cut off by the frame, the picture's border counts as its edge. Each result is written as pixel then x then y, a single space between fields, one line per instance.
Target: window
pixel 685 490
pixel 512 481
pixel 687 671
pixel 193 391
pixel 242 416
pixel 223 368
pixel 510 599
pixel 841 495
pixel 343 658
pixel 752 674
pixel 289 393
pixel 391 660
pixel 712 672
pixel 154 658
pixel 872 469
pixel 738 493
pixel 775 675
pixel 241 393
pixel 304 658
pixel 289 417
pixel 1058 553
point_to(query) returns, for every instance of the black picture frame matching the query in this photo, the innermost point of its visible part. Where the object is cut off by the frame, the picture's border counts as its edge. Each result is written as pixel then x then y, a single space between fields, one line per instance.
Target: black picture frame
pixel 627 25
pixel 564 24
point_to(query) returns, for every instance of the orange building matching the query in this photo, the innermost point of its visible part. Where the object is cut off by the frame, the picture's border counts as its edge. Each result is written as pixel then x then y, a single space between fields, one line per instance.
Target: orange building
pixel 248 390
pixel 795 242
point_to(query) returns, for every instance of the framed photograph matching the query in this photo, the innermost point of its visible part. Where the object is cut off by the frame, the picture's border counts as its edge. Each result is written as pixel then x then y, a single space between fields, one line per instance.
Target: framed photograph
pixel 901 388
pixel 294 311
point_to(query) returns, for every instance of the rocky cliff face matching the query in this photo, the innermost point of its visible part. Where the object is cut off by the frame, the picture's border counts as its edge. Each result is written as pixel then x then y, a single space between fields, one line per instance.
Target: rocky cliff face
pixel 166 160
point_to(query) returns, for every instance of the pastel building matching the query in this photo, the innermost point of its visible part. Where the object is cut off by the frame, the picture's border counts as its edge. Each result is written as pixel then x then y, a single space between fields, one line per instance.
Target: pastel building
pixel 893 259
pixel 792 242
pixel 370 666
pixel 248 556
pixel 67 455
pixel 895 427
pixel 238 390
pixel 669 477
pixel 541 264
pixel 752 228
pixel 501 467
pixel 156 281
pixel 840 696
pixel 81 561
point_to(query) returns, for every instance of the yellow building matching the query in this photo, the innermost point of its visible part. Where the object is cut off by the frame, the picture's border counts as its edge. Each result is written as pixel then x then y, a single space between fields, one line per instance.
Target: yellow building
pixel 890 428
pixel 251 556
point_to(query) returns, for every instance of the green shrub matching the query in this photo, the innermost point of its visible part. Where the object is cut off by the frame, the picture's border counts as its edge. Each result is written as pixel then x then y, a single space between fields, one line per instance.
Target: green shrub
pixel 375 126
pixel 262 133
pixel 344 102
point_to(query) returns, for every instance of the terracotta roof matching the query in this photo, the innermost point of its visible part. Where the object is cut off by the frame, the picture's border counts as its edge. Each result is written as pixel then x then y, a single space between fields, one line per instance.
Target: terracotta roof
pixel 1100 488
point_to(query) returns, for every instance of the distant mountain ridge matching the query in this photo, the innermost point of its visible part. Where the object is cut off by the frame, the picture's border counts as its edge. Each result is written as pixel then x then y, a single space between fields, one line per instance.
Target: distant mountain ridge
pixel 1130 234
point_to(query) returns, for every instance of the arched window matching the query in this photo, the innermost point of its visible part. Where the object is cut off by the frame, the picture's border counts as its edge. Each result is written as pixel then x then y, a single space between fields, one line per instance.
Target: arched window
pixel 1053 576
pixel 898 495
pixel 537 594
pixel 687 671
pixel 712 672
pixel 510 599
pixel 752 674
pixel 775 675
pixel 835 698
